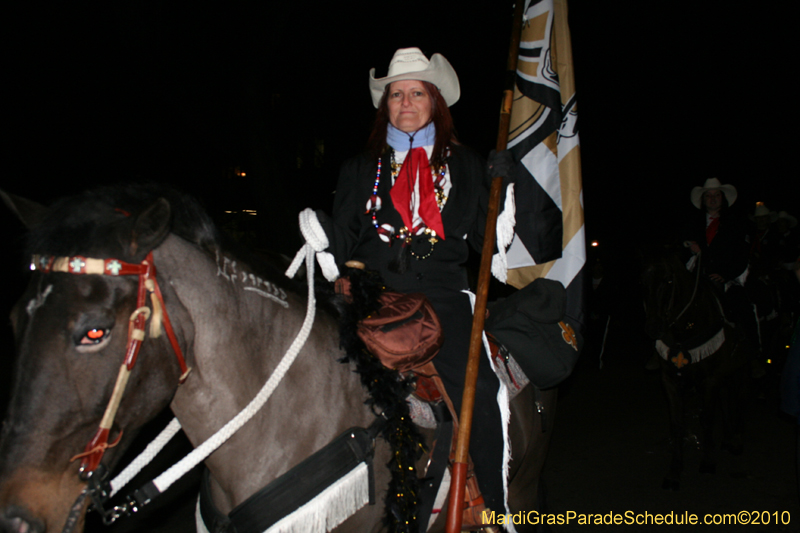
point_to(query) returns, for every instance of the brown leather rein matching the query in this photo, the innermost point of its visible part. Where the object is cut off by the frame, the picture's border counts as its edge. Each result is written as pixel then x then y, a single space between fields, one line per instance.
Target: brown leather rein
pixel 95 448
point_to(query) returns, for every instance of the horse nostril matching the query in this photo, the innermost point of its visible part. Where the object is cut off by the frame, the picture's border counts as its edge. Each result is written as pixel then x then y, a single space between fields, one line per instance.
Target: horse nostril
pixel 20 525
pixel 14 525
pixel 13 521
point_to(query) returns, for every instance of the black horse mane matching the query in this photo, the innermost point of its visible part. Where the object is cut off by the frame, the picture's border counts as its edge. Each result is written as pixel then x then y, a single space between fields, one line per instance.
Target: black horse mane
pixel 77 224
pixel 89 224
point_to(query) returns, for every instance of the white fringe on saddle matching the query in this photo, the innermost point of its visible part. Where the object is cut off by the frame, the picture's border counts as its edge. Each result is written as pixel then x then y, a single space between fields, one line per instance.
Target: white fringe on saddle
pixel 700 352
pixel 330 508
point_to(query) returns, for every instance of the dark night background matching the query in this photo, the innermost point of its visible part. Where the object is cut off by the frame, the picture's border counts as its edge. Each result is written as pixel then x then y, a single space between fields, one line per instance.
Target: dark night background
pixel 669 94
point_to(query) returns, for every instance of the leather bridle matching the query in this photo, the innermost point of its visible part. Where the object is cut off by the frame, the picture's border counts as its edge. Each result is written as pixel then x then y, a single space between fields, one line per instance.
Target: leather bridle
pixel 95 448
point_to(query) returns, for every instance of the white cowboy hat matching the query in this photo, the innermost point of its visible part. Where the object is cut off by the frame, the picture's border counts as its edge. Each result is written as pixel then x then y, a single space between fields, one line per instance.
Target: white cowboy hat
pixel 411 64
pixel 763 211
pixel 788 218
pixel 711 184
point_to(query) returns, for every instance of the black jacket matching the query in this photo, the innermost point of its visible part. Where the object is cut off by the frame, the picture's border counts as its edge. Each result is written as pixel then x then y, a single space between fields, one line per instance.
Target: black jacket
pixel 727 255
pixel 463 218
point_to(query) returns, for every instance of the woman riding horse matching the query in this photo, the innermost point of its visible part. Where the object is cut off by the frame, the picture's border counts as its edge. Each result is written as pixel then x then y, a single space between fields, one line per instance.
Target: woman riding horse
pixel 718 238
pixel 409 208
pixel 698 351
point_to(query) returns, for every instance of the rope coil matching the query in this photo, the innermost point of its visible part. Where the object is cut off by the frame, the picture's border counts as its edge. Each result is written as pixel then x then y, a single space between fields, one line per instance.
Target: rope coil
pixel 506 221
pixel 316 243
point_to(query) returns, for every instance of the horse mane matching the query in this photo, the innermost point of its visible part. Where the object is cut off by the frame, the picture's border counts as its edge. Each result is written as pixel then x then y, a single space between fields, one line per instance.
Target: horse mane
pixel 76 225
pixel 89 224
pixel 670 256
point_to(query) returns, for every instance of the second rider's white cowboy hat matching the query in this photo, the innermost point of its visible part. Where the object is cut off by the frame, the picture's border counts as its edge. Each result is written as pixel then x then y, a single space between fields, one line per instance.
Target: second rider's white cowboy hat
pixel 411 64
pixel 711 184
pixel 763 211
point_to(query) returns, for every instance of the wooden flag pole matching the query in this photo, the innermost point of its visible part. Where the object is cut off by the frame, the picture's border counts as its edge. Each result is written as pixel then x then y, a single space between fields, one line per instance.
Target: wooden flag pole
pixel 459 472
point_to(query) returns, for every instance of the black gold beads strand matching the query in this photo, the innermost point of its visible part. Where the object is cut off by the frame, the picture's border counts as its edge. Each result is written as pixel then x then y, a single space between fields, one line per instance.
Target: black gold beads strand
pixel 432 239
pixel 387 390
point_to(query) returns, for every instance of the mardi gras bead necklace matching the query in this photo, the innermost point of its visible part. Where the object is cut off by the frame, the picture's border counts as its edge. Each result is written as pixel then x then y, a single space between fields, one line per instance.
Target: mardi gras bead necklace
pixel 387 232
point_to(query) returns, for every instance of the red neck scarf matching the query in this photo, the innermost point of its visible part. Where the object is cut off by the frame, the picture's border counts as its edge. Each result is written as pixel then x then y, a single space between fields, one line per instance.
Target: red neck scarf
pixel 711 229
pixel 415 165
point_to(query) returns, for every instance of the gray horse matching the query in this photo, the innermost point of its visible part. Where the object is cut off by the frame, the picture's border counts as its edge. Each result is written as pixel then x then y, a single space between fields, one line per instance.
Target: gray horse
pixel 231 320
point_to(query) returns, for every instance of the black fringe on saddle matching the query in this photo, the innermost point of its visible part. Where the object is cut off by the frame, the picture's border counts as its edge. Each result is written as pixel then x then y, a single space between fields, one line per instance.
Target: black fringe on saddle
pixel 388 391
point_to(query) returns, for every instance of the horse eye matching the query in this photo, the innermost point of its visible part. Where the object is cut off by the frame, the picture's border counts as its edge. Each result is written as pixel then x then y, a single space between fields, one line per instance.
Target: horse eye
pixel 94 336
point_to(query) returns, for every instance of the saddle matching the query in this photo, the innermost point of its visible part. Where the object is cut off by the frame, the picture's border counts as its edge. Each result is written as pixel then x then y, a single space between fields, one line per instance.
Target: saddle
pixel 404 333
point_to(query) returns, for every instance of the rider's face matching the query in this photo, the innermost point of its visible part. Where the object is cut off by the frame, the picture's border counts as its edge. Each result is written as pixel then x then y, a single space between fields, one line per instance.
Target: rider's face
pixel 409 105
pixel 712 200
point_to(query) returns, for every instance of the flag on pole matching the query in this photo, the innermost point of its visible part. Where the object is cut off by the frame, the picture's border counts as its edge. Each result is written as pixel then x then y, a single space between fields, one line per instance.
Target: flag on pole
pixel 543 138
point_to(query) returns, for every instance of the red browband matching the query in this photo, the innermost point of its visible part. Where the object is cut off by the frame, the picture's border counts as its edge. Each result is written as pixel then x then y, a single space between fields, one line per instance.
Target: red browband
pixel 93 452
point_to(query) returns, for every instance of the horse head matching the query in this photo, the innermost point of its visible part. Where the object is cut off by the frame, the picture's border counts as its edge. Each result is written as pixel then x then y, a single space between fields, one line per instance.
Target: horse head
pixel 72 340
pixel 679 302
pixel 667 287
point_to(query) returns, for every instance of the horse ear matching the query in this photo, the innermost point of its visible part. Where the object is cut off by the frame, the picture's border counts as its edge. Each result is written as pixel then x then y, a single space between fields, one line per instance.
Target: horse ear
pixel 152 226
pixel 28 211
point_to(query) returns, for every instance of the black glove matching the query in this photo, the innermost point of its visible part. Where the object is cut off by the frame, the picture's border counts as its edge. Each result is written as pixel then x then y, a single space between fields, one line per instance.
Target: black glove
pixel 500 164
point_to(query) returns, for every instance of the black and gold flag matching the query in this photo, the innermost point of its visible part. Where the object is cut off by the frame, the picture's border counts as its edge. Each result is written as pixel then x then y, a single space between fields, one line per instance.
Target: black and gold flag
pixel 549 232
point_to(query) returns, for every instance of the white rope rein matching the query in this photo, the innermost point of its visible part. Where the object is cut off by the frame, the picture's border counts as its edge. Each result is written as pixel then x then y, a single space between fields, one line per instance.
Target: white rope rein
pixel 144 458
pixel 200 453
pixel 311 228
pixel 694 290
